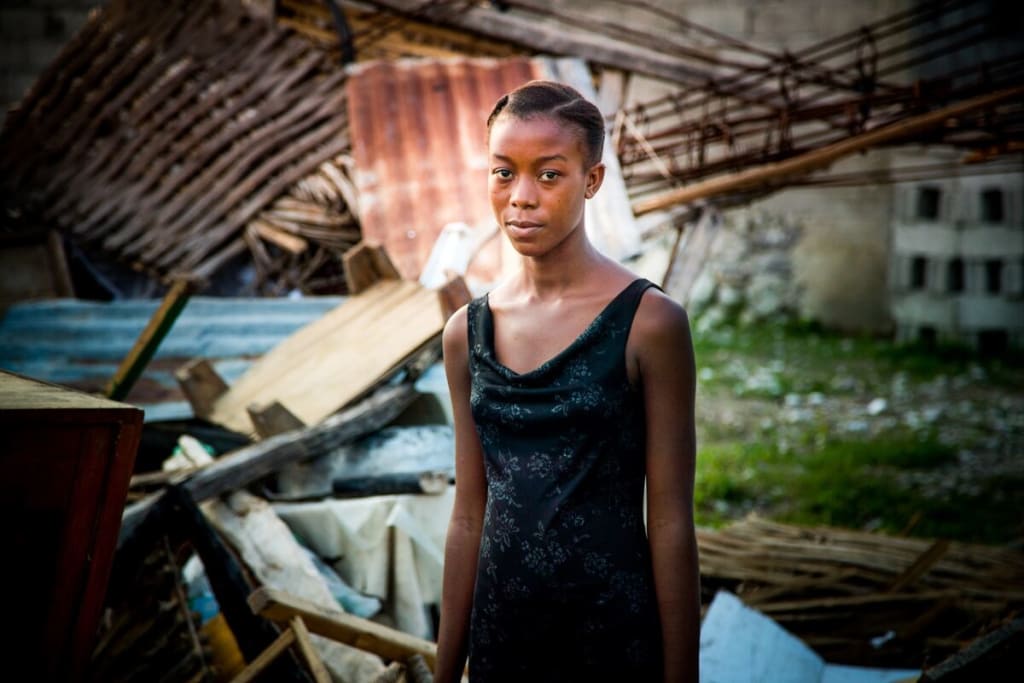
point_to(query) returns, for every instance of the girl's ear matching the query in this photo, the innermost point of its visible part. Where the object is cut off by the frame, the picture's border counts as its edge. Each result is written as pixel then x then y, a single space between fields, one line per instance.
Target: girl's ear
pixel 595 176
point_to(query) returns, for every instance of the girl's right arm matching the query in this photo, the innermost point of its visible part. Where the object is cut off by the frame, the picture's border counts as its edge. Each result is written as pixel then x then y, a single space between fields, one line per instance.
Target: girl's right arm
pixel 463 542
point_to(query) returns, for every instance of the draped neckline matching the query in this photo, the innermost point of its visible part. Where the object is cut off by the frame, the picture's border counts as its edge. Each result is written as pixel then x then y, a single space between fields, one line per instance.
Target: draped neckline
pixel 582 337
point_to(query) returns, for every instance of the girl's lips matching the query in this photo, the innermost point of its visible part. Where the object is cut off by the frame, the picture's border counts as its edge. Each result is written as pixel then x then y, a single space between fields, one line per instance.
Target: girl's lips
pixel 522 228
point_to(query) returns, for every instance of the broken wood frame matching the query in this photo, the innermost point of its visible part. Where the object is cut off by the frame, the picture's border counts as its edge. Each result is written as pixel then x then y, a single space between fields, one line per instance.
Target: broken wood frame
pixel 294 634
pixel 364 634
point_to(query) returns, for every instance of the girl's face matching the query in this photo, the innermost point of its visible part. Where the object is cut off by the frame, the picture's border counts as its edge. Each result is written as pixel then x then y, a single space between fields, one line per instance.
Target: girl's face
pixel 539 181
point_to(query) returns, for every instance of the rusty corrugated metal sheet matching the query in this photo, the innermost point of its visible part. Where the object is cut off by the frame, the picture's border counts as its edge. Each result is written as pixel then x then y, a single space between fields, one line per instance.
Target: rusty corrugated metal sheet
pixel 418 132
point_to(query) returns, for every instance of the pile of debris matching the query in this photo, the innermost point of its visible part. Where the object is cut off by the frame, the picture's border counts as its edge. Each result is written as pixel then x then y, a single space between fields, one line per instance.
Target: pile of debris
pixel 181 138
pixel 865 598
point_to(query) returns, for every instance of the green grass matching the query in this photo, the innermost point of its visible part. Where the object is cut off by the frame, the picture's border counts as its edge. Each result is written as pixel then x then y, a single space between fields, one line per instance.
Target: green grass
pixel 803 473
pixel 849 484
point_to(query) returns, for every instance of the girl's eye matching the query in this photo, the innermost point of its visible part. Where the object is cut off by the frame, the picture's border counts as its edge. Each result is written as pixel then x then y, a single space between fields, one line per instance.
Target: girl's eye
pixel 502 173
pixel 549 175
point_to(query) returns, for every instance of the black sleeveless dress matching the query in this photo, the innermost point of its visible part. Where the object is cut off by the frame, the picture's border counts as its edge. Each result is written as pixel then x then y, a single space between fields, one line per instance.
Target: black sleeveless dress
pixel 564 588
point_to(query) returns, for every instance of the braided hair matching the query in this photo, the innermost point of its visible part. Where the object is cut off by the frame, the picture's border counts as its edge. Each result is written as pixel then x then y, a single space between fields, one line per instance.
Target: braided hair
pixel 558 101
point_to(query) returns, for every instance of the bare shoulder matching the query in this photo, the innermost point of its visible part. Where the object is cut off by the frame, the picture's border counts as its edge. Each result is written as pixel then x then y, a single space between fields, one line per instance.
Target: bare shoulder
pixel 661 319
pixel 660 347
pixel 454 339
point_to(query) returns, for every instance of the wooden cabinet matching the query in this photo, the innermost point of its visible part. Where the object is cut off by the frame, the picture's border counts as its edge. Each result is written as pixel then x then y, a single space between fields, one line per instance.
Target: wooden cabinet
pixel 66 459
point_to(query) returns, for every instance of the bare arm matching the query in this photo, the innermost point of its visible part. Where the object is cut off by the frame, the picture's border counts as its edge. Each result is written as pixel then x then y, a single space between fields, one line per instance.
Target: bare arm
pixel 665 362
pixel 463 541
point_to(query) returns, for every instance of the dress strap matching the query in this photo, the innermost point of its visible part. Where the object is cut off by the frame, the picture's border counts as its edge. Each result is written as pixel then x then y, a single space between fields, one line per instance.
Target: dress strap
pixel 629 301
pixel 475 328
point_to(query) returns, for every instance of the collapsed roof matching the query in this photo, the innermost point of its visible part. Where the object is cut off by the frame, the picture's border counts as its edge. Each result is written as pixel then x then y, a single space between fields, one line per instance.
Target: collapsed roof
pixel 176 137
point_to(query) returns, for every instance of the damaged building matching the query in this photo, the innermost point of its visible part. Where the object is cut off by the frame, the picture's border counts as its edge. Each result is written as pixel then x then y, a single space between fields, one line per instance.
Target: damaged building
pixel 232 232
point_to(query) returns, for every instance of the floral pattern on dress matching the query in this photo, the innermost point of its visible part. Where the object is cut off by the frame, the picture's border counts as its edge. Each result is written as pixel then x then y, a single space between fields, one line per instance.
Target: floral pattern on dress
pixel 564 558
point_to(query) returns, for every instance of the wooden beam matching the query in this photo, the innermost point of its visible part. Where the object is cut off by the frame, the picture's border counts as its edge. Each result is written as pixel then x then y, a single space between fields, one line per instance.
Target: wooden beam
pixel 364 634
pixel 987 658
pixel 146 345
pixel 820 158
pixel 921 565
pixel 246 465
pixel 508 28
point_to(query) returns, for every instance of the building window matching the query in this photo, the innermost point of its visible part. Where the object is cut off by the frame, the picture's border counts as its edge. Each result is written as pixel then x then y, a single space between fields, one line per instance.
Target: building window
pixel 927 336
pixel 993 276
pixel 928 203
pixel 918 272
pixel 992 206
pixel 955 276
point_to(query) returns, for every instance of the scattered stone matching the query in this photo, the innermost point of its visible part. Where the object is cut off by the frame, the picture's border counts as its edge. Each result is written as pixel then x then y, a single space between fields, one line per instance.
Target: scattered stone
pixel 856 426
pixel 877 406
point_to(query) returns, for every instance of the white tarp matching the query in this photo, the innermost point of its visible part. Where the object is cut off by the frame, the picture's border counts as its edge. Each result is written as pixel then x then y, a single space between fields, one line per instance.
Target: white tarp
pixel 740 645
pixel 391 547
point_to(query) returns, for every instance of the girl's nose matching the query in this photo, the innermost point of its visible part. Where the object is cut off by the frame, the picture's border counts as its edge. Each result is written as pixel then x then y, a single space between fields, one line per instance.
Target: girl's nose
pixel 524 194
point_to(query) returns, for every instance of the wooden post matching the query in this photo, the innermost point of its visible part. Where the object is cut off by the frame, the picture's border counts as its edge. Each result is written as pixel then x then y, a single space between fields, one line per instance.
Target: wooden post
pixel 366 264
pixel 316 665
pixel 146 345
pixel 201 385
pixel 273 418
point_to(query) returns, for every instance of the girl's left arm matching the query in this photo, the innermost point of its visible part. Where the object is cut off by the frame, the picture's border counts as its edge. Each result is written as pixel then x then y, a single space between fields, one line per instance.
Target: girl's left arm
pixel 666 369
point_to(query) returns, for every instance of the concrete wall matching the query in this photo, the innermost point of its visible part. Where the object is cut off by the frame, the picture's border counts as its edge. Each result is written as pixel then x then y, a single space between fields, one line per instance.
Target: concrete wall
pixel 32 32
pixel 958 274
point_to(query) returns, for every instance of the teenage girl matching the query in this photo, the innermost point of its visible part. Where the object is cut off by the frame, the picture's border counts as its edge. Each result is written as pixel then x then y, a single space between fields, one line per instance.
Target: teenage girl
pixel 572 386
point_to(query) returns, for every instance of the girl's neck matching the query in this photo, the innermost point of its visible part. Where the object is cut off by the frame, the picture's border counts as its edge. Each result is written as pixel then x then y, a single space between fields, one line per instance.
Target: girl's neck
pixel 561 270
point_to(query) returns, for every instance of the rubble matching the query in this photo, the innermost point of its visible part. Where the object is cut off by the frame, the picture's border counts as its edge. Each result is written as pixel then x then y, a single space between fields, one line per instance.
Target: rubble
pixel 181 139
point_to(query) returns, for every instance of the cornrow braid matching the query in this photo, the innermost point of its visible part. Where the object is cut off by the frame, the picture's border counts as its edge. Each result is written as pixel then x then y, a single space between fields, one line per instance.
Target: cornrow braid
pixel 559 101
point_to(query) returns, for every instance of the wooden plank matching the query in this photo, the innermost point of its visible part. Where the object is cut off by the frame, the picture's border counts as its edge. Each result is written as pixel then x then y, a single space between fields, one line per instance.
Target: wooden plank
pixel 364 634
pixel 334 359
pixel 149 340
pixel 820 158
